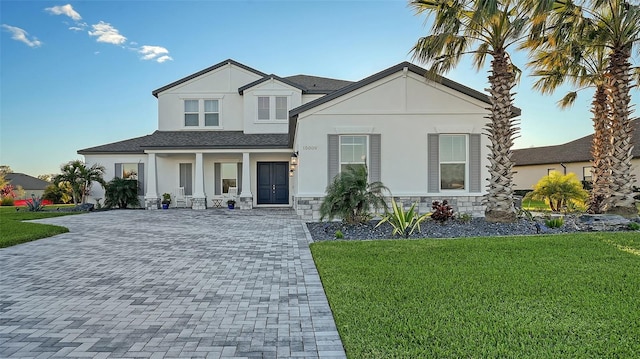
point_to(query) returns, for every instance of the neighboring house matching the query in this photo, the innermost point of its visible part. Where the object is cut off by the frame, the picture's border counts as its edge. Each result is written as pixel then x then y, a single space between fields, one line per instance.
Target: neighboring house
pixel 278 141
pixel 30 185
pixel 531 164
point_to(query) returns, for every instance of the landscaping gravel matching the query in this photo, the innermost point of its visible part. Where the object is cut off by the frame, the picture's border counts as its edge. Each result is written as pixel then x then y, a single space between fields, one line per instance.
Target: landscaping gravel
pixel 477 227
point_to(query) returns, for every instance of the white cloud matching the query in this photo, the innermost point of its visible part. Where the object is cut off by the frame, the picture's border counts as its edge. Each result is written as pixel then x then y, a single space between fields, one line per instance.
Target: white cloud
pixel 162 59
pixel 107 33
pixel 74 28
pixel 64 10
pixel 22 36
pixel 157 53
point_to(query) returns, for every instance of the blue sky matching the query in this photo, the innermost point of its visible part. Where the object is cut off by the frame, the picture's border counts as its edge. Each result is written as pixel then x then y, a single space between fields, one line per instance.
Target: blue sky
pixel 80 74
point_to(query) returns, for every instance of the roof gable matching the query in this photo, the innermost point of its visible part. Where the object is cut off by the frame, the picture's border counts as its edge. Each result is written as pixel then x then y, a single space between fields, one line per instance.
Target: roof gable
pixel 392 70
pixel 207 70
pixel 267 78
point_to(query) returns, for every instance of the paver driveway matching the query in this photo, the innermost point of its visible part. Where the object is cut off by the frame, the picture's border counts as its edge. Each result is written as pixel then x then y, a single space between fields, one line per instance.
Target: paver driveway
pixel 175 283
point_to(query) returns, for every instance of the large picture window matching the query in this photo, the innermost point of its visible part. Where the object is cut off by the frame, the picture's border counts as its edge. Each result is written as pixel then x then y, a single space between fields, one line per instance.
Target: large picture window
pixel 130 171
pixel 353 151
pixel 453 161
pixel 228 176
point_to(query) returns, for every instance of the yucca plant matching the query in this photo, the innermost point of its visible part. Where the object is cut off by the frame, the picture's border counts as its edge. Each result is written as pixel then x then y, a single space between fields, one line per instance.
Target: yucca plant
pixel 403 223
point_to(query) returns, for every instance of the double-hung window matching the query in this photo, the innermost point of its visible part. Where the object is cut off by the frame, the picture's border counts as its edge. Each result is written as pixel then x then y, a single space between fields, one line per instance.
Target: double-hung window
pixel 211 113
pixel 453 162
pixel 191 113
pixel 587 173
pixel 273 107
pixel 353 151
pixel 207 110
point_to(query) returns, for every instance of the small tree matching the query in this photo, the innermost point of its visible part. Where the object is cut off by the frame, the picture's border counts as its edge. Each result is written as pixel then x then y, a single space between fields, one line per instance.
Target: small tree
pixel 121 193
pixel 80 178
pixel 350 196
pixel 559 190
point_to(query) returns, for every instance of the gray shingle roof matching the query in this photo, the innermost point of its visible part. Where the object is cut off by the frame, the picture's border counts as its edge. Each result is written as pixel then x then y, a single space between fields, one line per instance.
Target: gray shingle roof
pixel 318 85
pixel 575 151
pixel 193 140
pixel 26 182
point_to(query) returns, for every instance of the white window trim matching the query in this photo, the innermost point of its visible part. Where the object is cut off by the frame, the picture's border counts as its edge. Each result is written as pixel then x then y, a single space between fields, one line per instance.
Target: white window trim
pixel 366 151
pixel 466 164
pixel 272 108
pixel 201 113
pixel 222 178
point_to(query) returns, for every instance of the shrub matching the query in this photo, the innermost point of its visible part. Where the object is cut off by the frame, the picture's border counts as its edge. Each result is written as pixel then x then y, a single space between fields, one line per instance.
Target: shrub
pixel 350 196
pixel 34 204
pixel 7 201
pixel 554 222
pixel 442 212
pixel 339 234
pixel 403 223
pixel 464 218
pixel 121 193
pixel 559 191
pixel 634 226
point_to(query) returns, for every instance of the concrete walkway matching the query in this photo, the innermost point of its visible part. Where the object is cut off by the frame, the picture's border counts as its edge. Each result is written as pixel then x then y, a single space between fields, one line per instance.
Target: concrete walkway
pixel 166 284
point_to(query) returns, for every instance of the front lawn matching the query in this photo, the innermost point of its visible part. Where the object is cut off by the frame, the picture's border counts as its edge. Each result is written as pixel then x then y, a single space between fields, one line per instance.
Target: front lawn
pixel 573 295
pixel 13 231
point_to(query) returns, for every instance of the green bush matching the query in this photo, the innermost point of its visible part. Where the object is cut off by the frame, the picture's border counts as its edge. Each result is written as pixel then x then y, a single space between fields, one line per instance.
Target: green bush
pixel 121 193
pixel 7 201
pixel 403 223
pixel 634 226
pixel 350 196
pixel 339 234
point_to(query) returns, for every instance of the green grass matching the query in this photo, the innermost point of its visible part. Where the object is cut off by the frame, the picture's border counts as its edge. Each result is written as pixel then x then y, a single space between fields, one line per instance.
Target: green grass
pixel 514 297
pixel 13 231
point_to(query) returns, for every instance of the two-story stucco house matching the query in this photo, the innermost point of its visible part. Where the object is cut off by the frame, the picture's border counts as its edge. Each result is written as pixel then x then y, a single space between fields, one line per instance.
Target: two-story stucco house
pixel 231 130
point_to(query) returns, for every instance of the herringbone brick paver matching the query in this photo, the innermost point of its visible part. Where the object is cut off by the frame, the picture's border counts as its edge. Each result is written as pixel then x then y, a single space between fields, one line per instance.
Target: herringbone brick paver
pixel 166 284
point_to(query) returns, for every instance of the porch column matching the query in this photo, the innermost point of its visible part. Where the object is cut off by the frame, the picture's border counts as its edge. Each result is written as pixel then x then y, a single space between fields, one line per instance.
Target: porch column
pixel 199 200
pixel 151 200
pixel 246 198
pixel 246 176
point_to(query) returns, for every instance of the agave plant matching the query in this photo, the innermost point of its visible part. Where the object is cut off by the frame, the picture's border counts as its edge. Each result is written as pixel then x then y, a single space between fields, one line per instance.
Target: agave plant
pixel 403 223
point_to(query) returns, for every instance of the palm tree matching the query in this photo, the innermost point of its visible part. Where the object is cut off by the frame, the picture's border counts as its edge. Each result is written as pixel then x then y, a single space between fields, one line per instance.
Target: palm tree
pixel 611 26
pixel 80 178
pixel 567 61
pixel 482 28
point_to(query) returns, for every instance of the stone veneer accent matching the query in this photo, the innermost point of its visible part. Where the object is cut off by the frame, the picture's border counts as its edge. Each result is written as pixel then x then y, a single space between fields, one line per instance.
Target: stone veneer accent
pixel 152 203
pixel 199 203
pixel 244 203
pixel 308 208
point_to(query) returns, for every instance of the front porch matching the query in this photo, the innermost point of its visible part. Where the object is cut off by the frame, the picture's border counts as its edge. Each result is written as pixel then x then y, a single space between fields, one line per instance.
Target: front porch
pixel 209 178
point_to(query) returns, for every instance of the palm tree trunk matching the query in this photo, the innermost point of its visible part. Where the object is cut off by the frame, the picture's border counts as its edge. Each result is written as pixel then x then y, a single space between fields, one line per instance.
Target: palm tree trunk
pixel 622 179
pixel 501 131
pixel 601 152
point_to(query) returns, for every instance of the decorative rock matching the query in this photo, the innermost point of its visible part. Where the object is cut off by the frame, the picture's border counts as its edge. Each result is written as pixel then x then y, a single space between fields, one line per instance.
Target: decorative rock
pixel 602 222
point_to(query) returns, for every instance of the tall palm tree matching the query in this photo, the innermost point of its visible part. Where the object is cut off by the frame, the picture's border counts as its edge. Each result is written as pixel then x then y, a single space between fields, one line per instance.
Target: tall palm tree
pixel 567 61
pixel 482 28
pixel 80 178
pixel 613 27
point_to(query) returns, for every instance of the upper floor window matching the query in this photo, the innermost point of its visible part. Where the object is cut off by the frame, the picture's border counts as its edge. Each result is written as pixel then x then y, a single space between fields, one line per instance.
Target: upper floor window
pixel 194 110
pixel 353 151
pixel 273 108
pixel 453 161
pixel 191 113
pixel 211 113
